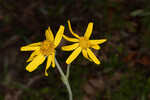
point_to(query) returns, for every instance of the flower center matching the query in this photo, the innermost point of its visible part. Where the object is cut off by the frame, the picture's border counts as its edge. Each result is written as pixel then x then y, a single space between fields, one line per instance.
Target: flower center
pixel 47 48
pixel 84 43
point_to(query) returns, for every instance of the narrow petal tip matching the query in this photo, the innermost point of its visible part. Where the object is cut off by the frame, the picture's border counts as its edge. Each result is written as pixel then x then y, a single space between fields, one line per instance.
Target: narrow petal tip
pixel 28 60
pixel 105 40
pixel 91 23
pixel 29 69
pixel 98 62
pixel 53 65
pixel 68 21
pixel 22 49
pixel 62 26
pixel 68 62
pixel 46 74
pixel 63 49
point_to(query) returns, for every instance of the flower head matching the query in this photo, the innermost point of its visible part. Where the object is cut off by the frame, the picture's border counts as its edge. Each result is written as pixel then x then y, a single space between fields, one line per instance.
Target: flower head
pixel 43 50
pixel 82 44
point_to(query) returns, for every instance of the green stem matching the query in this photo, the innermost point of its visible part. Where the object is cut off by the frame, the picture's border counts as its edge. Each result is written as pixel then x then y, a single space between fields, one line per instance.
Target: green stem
pixel 64 79
pixel 68 71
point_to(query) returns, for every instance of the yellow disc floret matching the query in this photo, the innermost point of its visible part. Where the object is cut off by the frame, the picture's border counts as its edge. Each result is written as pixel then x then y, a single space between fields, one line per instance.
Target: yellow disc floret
pixel 84 43
pixel 47 48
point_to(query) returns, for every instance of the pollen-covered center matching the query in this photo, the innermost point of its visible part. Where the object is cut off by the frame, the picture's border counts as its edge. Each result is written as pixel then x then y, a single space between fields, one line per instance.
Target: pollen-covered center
pixel 84 43
pixel 47 48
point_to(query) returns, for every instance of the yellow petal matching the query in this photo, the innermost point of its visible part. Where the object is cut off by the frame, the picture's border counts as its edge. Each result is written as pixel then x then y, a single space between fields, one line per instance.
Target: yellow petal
pixel 53 60
pixel 33 55
pixel 70 47
pixel 49 34
pixel 92 56
pixel 70 39
pixel 28 48
pixel 98 41
pixel 97 47
pixel 59 35
pixel 35 63
pixel 34 44
pixel 74 54
pixel 74 34
pixel 49 60
pixel 89 30
pixel 84 52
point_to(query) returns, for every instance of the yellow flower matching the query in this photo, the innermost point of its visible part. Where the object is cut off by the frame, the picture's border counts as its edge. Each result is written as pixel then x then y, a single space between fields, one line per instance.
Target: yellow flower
pixel 43 50
pixel 82 44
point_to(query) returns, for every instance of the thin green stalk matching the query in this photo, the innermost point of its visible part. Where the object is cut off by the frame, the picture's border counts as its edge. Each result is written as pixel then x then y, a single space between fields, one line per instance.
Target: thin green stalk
pixel 68 71
pixel 64 79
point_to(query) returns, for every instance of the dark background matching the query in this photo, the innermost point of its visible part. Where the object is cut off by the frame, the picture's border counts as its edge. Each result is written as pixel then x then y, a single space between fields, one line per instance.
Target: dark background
pixel 124 73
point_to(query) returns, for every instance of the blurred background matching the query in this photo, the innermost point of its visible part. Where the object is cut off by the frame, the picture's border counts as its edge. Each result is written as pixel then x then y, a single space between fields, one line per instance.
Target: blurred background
pixel 124 72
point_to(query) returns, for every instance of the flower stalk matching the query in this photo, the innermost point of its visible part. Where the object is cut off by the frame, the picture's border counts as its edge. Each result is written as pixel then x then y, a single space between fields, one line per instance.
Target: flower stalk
pixel 64 77
pixel 68 71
